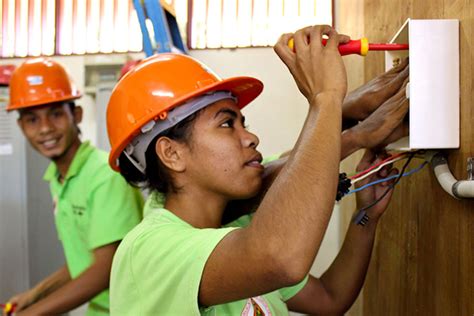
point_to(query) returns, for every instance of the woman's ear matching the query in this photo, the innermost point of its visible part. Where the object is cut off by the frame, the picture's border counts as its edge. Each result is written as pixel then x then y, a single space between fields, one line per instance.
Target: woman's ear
pixel 170 152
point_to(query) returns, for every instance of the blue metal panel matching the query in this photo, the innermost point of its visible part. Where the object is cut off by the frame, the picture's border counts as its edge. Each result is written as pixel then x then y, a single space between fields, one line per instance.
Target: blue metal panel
pixel 165 28
pixel 160 25
pixel 147 47
pixel 175 35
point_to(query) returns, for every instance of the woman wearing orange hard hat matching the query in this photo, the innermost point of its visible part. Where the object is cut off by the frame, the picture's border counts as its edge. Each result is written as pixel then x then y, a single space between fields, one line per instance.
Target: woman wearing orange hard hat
pixel 177 128
pixel 81 182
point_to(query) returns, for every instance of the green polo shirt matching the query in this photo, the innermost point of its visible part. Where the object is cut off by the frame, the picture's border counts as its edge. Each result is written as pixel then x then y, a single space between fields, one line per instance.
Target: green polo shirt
pixel 94 207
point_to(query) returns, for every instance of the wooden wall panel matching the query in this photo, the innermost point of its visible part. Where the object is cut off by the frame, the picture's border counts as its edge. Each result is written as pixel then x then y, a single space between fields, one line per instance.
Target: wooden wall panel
pixel 350 21
pixel 423 261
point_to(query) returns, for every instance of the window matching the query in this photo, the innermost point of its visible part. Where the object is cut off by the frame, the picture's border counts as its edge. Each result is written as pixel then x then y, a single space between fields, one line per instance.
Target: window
pixel 28 27
pixel 246 23
pixel 63 27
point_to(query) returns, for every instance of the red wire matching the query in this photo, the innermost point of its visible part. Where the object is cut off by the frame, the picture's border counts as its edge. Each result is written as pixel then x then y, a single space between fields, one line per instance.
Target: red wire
pixel 375 166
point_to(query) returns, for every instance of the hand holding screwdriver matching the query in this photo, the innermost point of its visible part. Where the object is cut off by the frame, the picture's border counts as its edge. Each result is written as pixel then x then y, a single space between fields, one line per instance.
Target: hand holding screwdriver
pixel 360 46
pixel 8 308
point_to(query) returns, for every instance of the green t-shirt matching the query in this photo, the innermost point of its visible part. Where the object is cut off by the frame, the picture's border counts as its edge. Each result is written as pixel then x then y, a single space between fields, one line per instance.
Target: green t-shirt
pixel 94 207
pixel 158 267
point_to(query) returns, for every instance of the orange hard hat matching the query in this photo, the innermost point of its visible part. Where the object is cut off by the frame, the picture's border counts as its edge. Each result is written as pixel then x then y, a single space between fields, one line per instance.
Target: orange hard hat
pixel 6 74
pixel 40 81
pixel 158 84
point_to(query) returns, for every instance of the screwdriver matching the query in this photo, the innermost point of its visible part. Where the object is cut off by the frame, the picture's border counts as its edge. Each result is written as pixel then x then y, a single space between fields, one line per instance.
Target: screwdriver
pixel 8 308
pixel 360 46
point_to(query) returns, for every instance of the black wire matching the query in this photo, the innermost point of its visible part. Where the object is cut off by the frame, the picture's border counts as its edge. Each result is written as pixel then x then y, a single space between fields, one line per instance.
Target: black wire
pixel 361 213
pixel 391 186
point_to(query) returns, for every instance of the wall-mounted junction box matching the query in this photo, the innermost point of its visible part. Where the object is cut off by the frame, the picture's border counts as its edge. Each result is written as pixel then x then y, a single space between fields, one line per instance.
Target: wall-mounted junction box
pixel 434 82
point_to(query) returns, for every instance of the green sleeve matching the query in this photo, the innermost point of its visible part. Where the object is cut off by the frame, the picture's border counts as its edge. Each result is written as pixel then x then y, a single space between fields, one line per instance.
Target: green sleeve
pixel 115 208
pixel 288 292
pixel 270 158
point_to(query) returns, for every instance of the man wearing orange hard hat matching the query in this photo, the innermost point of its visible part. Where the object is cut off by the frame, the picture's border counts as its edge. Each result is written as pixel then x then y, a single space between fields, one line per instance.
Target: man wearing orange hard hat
pixel 90 225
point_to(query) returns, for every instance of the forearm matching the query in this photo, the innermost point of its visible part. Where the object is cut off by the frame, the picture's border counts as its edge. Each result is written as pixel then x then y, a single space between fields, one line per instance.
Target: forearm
pixel 235 209
pixel 350 118
pixel 72 294
pixel 290 206
pixel 349 143
pixel 345 277
pixel 52 283
pixel 352 110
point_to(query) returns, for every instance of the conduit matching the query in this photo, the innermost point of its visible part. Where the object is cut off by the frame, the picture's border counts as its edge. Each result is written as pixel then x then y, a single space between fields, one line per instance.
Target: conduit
pixel 460 189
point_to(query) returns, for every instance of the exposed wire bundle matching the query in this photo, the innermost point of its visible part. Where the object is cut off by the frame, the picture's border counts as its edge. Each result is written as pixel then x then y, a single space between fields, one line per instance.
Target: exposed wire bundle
pixel 379 167
pixel 345 183
pixel 389 178
pixel 375 168
pixel 361 217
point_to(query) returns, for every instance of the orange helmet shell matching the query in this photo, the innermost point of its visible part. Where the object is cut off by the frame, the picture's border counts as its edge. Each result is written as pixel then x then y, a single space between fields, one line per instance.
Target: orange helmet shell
pixel 40 81
pixel 158 84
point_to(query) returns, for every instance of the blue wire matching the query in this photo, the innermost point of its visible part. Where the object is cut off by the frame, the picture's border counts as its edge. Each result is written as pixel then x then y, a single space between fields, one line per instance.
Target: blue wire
pixel 388 178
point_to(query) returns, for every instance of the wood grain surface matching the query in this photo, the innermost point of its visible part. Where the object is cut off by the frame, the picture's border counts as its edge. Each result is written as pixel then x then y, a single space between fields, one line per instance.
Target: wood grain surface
pixel 423 261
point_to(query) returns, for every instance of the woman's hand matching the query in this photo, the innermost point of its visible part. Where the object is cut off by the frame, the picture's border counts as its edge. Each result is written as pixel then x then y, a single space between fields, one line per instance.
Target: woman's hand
pixel 385 125
pixel 363 101
pixel 316 68
pixel 370 194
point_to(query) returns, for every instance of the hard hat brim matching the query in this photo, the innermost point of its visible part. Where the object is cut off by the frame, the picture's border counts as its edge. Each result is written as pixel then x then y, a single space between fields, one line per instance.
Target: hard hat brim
pixel 13 107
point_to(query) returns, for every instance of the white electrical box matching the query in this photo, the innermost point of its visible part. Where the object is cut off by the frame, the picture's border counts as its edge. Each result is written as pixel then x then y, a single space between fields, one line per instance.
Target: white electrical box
pixel 433 90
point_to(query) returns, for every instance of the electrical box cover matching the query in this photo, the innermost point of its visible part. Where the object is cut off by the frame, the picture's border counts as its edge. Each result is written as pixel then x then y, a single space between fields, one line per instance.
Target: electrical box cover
pixel 433 88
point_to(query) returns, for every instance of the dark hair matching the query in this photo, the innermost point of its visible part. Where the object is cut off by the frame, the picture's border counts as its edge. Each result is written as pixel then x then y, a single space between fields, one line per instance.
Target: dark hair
pixel 72 106
pixel 157 176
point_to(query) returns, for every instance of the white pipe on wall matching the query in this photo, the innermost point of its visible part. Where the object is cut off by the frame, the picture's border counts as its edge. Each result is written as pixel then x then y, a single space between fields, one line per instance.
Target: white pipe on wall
pixel 458 189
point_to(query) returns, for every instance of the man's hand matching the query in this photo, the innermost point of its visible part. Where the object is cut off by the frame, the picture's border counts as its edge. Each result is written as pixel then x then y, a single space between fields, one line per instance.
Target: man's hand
pixel 22 300
pixel 363 101
pixel 385 125
pixel 370 194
